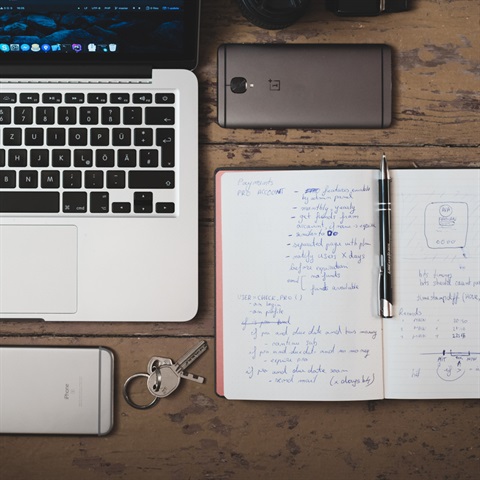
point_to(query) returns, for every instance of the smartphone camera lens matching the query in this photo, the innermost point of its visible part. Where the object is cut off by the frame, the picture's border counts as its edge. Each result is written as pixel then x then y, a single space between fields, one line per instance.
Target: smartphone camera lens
pixel 238 85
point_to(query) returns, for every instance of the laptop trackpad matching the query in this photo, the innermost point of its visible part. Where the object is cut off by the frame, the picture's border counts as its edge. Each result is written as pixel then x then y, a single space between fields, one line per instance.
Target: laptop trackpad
pixel 38 269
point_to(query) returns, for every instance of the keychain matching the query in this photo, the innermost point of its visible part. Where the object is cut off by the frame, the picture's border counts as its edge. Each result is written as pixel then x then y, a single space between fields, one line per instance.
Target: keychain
pixel 163 376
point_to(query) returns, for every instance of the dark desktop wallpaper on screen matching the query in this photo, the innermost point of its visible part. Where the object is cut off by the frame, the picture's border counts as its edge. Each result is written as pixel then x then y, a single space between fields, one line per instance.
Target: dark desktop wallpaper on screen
pixel 72 27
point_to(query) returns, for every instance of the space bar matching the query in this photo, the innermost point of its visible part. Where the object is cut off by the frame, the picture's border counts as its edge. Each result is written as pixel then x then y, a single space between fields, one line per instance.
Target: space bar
pixel 29 202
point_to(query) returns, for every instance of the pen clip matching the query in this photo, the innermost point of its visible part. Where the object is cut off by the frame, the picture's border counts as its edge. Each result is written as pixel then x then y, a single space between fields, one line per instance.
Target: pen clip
pixel 380 275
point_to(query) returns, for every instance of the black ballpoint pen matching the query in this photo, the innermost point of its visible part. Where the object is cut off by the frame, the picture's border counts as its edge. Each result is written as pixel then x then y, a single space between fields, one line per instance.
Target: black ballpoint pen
pixel 385 210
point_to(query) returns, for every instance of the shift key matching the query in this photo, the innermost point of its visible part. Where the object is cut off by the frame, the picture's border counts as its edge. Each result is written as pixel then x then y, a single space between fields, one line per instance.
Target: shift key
pixel 151 179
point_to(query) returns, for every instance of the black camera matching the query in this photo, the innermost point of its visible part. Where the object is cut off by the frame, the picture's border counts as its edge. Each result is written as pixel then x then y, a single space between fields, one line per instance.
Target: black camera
pixel 277 14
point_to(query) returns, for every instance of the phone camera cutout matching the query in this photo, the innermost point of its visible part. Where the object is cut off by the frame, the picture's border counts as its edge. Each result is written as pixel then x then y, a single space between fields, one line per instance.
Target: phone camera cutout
pixel 238 85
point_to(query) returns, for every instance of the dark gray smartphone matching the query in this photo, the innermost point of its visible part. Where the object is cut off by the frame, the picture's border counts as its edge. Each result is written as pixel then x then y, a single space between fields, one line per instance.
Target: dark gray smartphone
pixel 304 86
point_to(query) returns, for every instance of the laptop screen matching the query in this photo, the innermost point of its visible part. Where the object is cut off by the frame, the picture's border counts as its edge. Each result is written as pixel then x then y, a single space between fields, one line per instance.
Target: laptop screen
pixel 161 33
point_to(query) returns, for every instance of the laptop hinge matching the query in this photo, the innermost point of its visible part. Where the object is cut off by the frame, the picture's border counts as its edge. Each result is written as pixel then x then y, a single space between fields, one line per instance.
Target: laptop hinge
pixel 75 71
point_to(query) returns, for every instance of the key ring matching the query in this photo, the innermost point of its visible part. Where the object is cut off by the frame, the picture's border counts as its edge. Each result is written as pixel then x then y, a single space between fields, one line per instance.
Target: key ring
pixel 130 401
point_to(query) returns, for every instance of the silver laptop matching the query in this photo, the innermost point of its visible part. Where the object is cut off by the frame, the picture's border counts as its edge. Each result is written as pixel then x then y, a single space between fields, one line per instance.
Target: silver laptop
pixel 98 160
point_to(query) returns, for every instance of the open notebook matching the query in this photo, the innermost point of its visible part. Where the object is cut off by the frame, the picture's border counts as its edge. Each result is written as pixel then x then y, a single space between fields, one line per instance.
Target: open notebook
pixel 297 255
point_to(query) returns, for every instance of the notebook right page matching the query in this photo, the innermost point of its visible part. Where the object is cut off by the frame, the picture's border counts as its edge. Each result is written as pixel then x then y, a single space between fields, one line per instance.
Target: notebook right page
pixel 432 345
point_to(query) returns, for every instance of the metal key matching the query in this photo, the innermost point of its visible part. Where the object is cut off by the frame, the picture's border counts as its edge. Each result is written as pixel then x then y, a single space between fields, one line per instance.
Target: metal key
pixel 165 379
pixel 187 359
pixel 155 362
pixel 154 376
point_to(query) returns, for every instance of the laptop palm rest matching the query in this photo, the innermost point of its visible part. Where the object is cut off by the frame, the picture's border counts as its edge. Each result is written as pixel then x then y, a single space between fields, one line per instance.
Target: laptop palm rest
pixel 38 269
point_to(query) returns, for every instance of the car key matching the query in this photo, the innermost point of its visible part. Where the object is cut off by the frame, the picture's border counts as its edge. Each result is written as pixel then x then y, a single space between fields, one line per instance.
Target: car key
pixel 165 379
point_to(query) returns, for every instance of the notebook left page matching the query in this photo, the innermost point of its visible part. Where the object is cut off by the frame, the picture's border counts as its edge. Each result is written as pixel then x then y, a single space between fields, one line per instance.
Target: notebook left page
pixel 296 276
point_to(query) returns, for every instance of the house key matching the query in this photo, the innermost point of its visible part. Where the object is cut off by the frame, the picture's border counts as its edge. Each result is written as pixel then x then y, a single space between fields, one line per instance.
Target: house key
pixel 166 376
pixel 155 362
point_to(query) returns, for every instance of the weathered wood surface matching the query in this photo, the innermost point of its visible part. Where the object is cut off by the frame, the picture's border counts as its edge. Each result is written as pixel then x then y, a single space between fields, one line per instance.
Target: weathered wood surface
pixel 196 435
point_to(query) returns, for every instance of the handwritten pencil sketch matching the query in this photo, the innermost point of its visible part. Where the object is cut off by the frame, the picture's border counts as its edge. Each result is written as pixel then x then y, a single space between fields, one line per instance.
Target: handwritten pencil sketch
pixel 446 224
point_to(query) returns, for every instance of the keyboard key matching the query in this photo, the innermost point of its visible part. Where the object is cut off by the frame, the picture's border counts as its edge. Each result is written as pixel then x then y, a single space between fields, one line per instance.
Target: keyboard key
pixel 132 115
pixel 166 140
pixel 29 202
pixel 75 202
pixel 39 158
pixel 115 179
pixel 17 158
pixel 164 98
pixel 77 137
pixel 28 179
pixel 72 179
pixel 8 97
pixel 100 137
pixel 121 207
pixel 12 136
pixel 34 136
pixel 56 137
pixel 88 115
pixel 93 179
pixel 2 157
pixel 142 98
pixel 159 115
pixel 150 179
pixel 8 179
pixel 165 207
pixel 83 158
pixel 121 137
pixel 111 115
pixel 52 98
pixel 97 98
pixel 23 115
pixel 50 179
pixel 45 115
pixel 105 158
pixel 5 115
pixel 61 158
pixel 99 202
pixel 143 202
pixel 143 137
pixel 127 158
pixel 74 98
pixel 149 158
pixel 67 115
pixel 119 98
pixel 29 98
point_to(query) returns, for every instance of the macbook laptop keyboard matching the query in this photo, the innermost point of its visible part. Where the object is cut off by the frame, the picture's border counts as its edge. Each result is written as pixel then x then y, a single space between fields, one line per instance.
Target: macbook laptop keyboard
pixel 96 153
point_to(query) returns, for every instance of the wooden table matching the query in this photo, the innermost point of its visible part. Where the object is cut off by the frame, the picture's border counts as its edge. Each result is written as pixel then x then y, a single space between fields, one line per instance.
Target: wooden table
pixel 195 434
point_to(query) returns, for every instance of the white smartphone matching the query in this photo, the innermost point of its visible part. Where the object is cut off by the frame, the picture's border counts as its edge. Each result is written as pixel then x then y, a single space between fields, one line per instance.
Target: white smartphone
pixel 56 390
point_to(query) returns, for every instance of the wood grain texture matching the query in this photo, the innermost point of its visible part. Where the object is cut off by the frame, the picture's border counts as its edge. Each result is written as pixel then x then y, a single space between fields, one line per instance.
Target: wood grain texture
pixel 196 435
